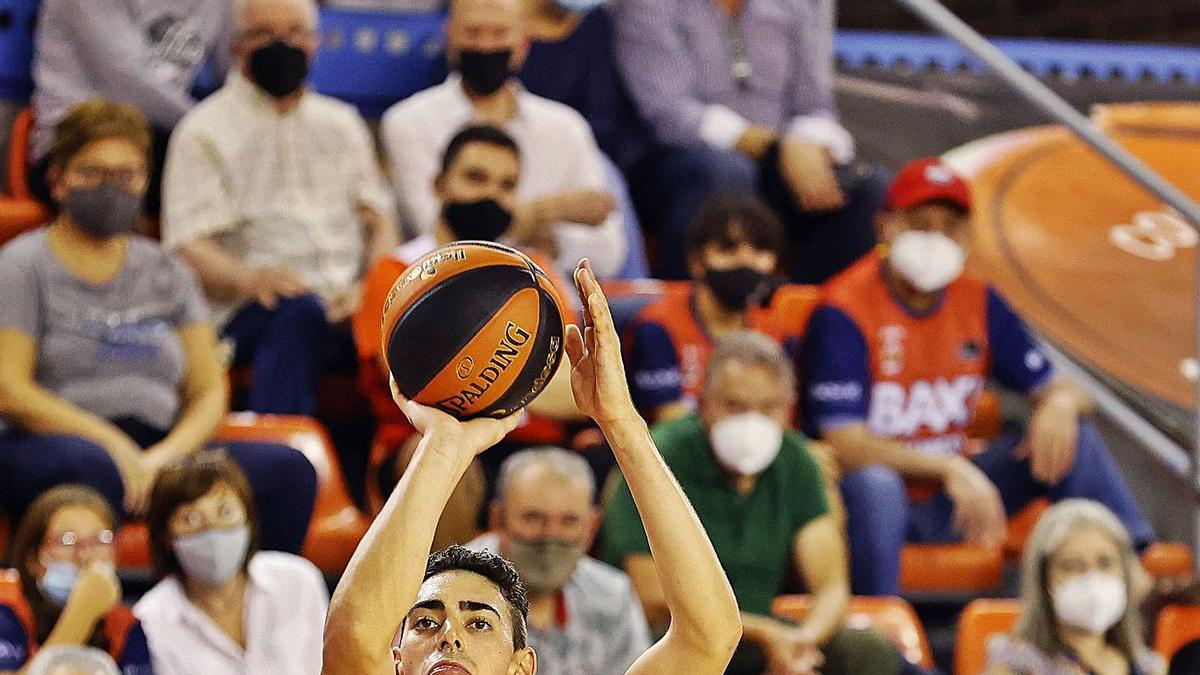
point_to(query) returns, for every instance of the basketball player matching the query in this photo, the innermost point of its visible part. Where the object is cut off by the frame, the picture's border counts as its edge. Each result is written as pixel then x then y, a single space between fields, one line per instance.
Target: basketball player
pixel 457 613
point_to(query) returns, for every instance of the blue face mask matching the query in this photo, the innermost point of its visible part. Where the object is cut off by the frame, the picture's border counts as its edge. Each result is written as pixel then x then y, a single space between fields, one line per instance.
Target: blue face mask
pixel 579 6
pixel 58 581
pixel 213 556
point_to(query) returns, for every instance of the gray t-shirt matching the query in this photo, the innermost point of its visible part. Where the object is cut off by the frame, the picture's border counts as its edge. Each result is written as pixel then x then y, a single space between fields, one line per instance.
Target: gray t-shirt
pixel 143 52
pixel 112 349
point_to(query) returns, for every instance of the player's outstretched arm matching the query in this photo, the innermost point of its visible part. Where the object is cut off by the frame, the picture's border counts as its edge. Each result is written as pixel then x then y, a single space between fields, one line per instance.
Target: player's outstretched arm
pixel 384 575
pixel 705 624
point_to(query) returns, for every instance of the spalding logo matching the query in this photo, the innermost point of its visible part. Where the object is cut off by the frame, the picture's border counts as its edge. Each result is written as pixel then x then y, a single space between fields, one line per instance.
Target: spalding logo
pixel 465 367
pixel 510 345
pixel 425 270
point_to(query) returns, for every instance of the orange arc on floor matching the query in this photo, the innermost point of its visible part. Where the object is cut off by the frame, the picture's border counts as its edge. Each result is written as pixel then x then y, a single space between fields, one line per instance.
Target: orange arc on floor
pixel 1094 262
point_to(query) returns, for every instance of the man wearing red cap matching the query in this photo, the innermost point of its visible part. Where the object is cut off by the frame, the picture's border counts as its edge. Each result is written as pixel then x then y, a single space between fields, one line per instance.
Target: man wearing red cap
pixel 896 358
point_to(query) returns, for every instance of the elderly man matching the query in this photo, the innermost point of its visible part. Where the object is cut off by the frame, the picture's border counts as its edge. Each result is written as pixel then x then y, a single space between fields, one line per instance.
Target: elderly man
pixel 274 196
pixel 761 498
pixel 583 614
pixel 896 358
pixel 564 205
pixel 739 96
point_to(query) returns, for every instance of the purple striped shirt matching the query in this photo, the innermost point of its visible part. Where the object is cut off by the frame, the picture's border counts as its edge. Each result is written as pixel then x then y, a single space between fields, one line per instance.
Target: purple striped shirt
pixel 678 58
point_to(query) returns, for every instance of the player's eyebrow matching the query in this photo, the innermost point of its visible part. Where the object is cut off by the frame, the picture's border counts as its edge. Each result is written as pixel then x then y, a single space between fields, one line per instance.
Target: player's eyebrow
pixel 473 606
pixel 436 605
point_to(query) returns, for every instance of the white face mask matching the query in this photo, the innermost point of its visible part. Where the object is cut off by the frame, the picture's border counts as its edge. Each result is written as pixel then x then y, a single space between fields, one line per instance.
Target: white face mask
pixel 1094 601
pixel 746 444
pixel 928 260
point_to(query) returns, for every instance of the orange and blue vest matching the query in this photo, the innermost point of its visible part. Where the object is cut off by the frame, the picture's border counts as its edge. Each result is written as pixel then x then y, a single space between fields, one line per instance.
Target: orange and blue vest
pixel 667 347
pixel 912 376
pixel 18 645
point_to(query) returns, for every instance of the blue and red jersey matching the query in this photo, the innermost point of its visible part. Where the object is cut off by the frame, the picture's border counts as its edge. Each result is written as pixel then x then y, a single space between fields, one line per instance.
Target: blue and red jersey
pixel 912 376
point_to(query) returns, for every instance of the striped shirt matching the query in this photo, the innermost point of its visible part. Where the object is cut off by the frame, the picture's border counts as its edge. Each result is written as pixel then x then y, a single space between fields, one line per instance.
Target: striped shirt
pixel 698 75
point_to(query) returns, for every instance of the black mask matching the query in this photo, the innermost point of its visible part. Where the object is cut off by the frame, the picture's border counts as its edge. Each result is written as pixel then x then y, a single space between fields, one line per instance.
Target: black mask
pixel 735 288
pixel 485 72
pixel 104 211
pixel 484 220
pixel 279 68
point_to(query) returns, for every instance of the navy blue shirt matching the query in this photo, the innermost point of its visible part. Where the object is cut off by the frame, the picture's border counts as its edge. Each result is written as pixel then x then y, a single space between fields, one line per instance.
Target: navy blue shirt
pixel 14 646
pixel 580 71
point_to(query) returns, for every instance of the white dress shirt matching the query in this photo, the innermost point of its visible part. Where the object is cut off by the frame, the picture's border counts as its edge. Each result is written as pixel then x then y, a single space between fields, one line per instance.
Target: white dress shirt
pixel 274 189
pixel 284 618
pixel 558 152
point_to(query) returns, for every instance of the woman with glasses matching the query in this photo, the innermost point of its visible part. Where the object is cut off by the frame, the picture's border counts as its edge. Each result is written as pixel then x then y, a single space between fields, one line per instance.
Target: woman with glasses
pixel 221 606
pixel 108 367
pixel 65 592
pixel 1082 586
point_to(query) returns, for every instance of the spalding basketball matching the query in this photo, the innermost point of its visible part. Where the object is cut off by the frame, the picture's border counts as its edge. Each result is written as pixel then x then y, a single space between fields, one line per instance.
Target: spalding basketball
pixel 473 328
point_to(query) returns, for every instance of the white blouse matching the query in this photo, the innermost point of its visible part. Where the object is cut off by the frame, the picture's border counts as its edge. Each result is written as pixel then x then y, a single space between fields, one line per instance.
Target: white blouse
pixel 286 603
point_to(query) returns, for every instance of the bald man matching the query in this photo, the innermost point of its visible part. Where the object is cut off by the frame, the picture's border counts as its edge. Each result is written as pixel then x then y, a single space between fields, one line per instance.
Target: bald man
pixel 565 207
pixel 273 194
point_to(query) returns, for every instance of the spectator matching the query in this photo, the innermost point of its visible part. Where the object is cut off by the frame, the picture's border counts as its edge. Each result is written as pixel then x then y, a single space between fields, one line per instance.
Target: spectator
pixel 274 196
pixel 458 606
pixel 738 95
pixel 68 593
pixel 72 661
pixel 564 207
pixel 896 359
pixel 220 605
pixel 147 54
pixel 1080 589
pixel 108 369
pixel 583 614
pixel 761 498
pixel 477 187
pixel 733 248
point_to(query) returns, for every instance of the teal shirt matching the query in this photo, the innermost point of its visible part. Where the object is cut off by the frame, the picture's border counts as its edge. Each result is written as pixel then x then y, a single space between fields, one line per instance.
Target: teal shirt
pixel 753 534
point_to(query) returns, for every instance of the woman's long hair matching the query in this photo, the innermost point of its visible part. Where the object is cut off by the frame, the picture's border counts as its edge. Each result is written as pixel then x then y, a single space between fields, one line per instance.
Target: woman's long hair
pixel 1038 625
pixel 27 541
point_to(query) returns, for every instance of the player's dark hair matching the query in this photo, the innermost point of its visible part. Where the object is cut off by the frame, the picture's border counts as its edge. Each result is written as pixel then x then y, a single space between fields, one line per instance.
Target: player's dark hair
pixel 496 570
pixel 728 220
pixel 477 133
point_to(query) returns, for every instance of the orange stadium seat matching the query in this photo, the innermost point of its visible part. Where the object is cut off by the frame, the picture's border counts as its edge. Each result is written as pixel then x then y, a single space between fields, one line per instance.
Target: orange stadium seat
pixel 337 524
pixel 980 620
pixel 1177 625
pixel 950 568
pixel 19 211
pixel 1021 526
pixel 892 617
pixel 1168 559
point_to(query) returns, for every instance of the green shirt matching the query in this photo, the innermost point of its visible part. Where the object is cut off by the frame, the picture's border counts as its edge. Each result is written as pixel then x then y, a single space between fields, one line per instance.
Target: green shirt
pixel 753 534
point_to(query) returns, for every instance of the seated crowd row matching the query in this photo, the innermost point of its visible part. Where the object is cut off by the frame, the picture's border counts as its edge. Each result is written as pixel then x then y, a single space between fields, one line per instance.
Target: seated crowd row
pixel 111 375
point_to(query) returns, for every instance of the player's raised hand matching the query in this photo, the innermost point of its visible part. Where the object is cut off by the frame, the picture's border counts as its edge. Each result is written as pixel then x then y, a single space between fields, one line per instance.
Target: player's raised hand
pixel 597 372
pixel 472 436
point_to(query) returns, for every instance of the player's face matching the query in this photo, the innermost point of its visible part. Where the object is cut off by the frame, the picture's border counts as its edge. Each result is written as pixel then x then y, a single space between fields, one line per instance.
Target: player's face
pixel 460 625
pixel 738 388
pixel 935 216
pixel 481 171
pixel 540 505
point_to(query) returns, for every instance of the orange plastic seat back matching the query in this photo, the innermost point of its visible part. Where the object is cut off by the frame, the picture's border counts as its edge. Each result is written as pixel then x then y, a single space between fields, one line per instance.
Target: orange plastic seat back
pixel 980 620
pixel 1021 526
pixel 18 154
pixel 133 546
pixel 1177 625
pixel 1168 559
pixel 950 567
pixel 337 524
pixel 892 617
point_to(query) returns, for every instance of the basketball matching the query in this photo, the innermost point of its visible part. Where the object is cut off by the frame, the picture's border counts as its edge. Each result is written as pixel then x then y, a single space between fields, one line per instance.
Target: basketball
pixel 474 329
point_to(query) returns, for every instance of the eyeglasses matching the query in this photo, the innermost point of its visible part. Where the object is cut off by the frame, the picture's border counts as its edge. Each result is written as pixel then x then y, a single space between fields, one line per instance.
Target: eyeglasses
pixel 69 543
pixel 129 178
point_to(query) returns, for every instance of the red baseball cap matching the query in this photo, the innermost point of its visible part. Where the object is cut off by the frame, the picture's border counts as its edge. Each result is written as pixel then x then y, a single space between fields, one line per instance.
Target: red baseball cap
pixel 926 180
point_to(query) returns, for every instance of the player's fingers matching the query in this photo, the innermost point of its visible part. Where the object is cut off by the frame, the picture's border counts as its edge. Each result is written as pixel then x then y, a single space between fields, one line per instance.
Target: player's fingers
pixel 574 344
